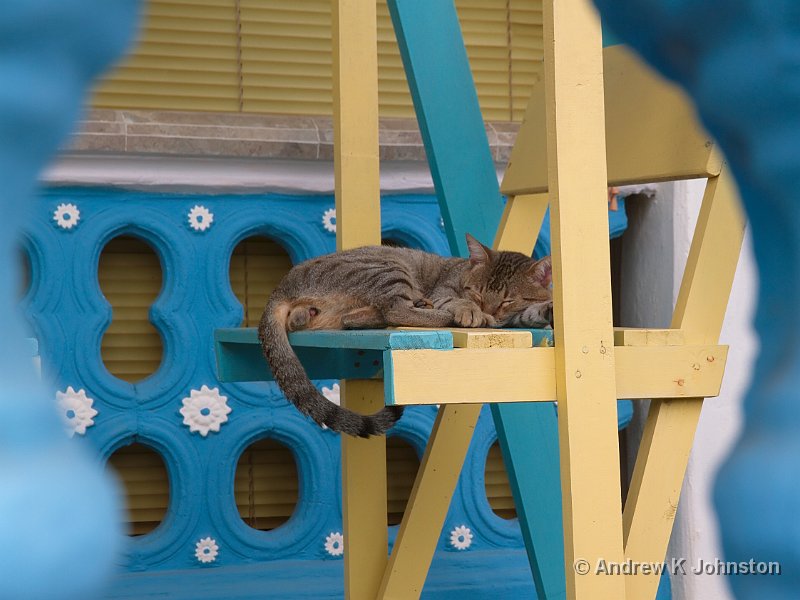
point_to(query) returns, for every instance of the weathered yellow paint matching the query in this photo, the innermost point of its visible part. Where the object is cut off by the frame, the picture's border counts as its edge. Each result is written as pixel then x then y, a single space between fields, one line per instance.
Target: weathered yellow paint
pixel 711 265
pixel 481 375
pixel 520 224
pixel 438 474
pixel 671 424
pixel 584 353
pixel 479 337
pixel 357 182
pixel 652 131
pixel 364 496
pixel 631 336
pixel 355 111
pixel 491 338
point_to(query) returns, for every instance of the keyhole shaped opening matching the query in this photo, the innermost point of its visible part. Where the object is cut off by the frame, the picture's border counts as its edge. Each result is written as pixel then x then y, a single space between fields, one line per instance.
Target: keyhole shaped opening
pixel 130 276
pixel 266 485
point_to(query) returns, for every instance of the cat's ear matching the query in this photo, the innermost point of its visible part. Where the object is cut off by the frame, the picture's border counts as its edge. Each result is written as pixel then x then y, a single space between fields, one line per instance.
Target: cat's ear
pixel 542 271
pixel 478 253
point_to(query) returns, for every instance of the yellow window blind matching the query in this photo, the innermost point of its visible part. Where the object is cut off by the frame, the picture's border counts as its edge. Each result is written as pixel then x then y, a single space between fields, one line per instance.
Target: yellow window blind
pixel 274 56
pixel 185 59
pixel 266 485
pixel 144 476
pixel 130 278
pixel 402 464
pixel 498 489
pixel 257 265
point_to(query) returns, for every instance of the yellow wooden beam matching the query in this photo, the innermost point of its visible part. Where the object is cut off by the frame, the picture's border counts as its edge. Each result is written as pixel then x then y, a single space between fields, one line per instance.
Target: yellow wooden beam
pixel 450 439
pixel 357 182
pixel 669 430
pixel 520 224
pixel 633 336
pixel 366 534
pixel 711 265
pixel 355 111
pixel 437 476
pixel 652 131
pixel 429 501
pixel 491 338
pixel 584 353
pixel 482 375
pixel 479 337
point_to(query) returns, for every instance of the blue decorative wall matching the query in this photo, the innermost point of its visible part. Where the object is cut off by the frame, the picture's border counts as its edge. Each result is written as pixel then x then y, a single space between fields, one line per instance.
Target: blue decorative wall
pixel 194 237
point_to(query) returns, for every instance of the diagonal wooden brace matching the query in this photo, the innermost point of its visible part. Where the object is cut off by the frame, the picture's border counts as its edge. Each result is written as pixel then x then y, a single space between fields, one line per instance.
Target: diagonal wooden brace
pixel 670 427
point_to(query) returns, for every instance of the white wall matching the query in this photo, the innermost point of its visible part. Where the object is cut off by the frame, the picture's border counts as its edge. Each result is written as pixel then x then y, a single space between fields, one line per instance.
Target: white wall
pixel 656 247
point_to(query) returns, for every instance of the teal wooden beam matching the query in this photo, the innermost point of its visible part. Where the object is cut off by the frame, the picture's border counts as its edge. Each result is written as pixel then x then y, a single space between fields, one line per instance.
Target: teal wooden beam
pixel 446 104
pixel 324 354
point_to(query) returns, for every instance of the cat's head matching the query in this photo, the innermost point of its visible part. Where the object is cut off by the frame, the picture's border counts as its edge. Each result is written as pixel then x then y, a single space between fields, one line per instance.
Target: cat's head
pixel 515 289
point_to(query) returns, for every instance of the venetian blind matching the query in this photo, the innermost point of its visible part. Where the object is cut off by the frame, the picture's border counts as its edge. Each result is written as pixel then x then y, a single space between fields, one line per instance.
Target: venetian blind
pixel 274 56
pixel 498 489
pixel 129 274
pixel 144 477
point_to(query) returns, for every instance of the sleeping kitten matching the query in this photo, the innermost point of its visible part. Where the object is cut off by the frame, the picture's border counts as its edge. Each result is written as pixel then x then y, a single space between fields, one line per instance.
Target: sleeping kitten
pixel 379 286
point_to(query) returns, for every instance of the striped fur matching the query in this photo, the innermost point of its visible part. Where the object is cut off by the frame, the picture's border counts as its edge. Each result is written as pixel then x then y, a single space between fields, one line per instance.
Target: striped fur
pixel 378 286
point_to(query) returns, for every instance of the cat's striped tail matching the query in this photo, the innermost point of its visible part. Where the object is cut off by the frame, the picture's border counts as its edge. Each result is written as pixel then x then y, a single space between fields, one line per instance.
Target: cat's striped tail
pixel 297 387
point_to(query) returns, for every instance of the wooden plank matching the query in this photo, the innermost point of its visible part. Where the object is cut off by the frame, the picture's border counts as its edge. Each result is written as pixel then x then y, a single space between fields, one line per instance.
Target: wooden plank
pixel 671 424
pixel 711 265
pixel 529 375
pixel 356 172
pixel 521 222
pixel 528 433
pixel 362 339
pixel 584 355
pixel 491 338
pixel 652 131
pixel 528 437
pixel 464 174
pixel 429 501
pixel 437 477
pixel 245 362
pixel 366 533
pixel 632 336
pixel 324 354
pixel 355 127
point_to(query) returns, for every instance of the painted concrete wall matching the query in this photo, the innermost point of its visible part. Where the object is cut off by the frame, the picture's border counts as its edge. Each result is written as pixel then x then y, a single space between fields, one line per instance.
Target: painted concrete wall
pixel 655 250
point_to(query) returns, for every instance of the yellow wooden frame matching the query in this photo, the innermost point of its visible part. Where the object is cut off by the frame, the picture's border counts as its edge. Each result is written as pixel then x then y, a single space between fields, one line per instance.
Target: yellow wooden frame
pixel 560 157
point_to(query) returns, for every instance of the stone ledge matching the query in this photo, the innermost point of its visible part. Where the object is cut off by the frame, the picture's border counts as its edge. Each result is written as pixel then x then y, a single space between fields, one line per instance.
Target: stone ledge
pixel 250 135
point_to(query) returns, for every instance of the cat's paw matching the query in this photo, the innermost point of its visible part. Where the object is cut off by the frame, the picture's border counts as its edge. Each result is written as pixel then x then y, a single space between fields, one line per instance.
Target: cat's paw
pixel 469 316
pixel 423 303
pixel 489 321
pixel 536 316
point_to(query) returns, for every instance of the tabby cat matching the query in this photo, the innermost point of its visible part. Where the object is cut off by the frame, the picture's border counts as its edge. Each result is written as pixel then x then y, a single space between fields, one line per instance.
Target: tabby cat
pixel 379 286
